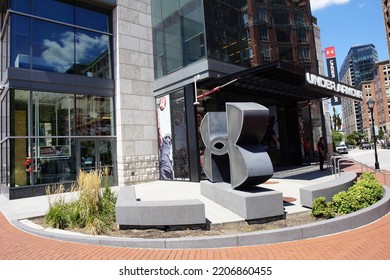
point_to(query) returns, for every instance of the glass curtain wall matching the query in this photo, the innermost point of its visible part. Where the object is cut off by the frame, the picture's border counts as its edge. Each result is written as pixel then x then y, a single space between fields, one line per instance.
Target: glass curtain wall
pixel 43 128
pixel 57 36
pixel 227 38
pixel 178 34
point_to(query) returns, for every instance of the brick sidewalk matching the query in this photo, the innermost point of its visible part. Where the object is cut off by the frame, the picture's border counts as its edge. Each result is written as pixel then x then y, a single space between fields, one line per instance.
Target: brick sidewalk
pixel 371 242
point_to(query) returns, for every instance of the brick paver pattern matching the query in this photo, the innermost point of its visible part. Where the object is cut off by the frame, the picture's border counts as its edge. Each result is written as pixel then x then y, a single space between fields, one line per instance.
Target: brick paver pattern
pixel 370 242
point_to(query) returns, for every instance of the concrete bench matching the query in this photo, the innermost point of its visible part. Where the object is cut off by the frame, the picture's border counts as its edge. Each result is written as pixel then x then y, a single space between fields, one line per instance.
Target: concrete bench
pixel 132 212
pixel 326 189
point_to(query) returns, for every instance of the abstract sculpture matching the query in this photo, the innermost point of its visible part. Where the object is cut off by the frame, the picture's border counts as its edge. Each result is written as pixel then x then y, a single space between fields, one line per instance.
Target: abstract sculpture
pixel 233 151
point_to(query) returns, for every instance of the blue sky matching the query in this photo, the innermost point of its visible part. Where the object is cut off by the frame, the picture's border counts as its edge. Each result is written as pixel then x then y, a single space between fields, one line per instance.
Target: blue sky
pixel 345 23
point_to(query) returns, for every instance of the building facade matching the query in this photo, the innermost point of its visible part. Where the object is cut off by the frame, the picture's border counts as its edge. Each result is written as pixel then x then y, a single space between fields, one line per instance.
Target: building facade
pixel 235 51
pixel 386 17
pixel 76 94
pixel 122 86
pixel 355 69
pixel 381 80
pixel 368 89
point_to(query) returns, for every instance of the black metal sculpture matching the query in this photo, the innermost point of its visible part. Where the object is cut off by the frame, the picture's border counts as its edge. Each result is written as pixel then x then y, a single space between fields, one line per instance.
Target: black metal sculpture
pixel 233 151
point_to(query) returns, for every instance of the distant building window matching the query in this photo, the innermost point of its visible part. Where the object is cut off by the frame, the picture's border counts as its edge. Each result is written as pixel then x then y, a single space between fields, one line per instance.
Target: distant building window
pixel 264 33
pixel 262 14
pixel 302 36
pixel 304 54
pixel 265 53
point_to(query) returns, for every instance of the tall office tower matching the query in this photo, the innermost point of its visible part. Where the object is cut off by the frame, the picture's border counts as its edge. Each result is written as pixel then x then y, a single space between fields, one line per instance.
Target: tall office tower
pixel 355 69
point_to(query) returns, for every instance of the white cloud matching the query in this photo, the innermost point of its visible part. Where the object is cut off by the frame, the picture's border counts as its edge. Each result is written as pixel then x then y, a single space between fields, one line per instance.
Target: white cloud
pixel 59 53
pixel 321 4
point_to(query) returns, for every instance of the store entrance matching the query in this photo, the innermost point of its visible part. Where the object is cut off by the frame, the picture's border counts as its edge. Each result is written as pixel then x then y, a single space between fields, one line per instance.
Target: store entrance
pixel 97 154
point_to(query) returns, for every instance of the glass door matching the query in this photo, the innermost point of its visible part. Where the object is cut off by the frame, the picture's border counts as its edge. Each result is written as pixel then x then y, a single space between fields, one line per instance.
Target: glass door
pixel 97 154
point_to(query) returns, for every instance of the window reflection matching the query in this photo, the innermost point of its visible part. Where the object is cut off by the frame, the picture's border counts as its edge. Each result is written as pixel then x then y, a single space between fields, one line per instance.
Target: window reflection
pixel 179 136
pixel 53 9
pixel 178 34
pixel 20 51
pixel 94 115
pixel 92 19
pixel 92 54
pixel 62 48
pixel 45 124
pixel 53 47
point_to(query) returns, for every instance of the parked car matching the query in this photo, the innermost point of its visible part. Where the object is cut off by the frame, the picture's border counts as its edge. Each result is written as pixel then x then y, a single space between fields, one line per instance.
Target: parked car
pixel 365 145
pixel 342 148
pixel 385 145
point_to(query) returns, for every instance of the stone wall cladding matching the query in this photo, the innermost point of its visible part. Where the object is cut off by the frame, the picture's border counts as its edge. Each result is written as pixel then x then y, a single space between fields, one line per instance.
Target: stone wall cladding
pixel 137 145
pixel 139 169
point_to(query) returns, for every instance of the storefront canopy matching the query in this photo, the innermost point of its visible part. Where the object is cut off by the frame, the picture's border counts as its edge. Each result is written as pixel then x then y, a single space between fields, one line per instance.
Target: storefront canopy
pixel 281 80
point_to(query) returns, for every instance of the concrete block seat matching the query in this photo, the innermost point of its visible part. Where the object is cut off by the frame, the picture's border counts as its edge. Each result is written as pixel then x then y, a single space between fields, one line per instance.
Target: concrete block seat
pixel 253 203
pixel 327 189
pixel 134 213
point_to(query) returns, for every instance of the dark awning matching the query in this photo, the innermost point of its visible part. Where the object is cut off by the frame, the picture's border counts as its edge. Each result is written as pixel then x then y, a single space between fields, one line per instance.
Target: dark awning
pixel 273 80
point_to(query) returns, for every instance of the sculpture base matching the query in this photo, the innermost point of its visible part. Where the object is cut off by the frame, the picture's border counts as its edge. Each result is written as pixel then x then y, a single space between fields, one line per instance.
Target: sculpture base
pixel 251 203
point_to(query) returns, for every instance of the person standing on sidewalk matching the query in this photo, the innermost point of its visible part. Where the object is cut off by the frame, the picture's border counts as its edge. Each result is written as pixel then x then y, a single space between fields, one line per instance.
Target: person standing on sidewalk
pixel 321 152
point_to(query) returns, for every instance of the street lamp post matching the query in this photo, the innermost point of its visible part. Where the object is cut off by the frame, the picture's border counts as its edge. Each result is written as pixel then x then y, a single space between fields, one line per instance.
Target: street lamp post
pixel 370 104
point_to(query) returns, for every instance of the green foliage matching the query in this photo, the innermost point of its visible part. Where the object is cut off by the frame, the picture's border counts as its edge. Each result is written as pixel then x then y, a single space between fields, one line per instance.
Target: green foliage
pixel 381 134
pixel 322 209
pixel 365 192
pixel 93 211
pixel 337 137
pixel 57 216
pixel 362 194
pixel 355 138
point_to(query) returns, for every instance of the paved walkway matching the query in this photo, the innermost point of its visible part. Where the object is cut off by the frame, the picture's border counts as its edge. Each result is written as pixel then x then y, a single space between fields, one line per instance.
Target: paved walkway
pixel 370 242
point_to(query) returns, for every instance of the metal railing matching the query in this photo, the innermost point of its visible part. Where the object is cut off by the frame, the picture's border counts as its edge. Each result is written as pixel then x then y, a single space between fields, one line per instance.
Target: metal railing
pixel 334 164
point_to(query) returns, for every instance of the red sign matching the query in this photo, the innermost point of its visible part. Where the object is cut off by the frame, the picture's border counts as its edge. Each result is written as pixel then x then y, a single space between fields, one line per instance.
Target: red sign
pixel 330 52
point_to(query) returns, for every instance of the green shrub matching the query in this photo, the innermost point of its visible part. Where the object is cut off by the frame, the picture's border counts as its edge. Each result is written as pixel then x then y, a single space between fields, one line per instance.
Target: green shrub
pixel 322 209
pixel 365 192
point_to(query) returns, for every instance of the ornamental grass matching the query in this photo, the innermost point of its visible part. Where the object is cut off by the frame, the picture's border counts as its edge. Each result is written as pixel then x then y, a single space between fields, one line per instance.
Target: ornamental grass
pixel 93 210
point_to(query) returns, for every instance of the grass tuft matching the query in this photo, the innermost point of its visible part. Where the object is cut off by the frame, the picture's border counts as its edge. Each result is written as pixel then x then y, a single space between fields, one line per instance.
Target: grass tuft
pixel 93 211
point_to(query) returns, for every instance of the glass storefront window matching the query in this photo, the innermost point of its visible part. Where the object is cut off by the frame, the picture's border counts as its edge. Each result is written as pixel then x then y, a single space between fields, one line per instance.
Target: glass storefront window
pixel 42 147
pixel 53 116
pixel 4 117
pixel 172 133
pixel 94 115
pixel 179 136
pixel 4 160
pixel 19 106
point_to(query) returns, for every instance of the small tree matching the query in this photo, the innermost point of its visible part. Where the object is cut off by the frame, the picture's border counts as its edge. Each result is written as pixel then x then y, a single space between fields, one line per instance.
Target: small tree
pixel 337 137
pixel 354 138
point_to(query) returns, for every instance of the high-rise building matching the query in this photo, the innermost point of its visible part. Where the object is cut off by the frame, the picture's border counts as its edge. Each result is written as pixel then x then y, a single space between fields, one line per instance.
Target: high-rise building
pixel 355 69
